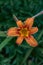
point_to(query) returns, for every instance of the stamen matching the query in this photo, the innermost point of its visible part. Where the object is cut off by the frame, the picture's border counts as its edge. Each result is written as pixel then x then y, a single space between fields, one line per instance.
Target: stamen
pixel 24 32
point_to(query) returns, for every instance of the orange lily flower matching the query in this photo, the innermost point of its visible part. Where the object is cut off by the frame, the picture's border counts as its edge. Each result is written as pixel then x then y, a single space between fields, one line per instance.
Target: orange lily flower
pixel 24 31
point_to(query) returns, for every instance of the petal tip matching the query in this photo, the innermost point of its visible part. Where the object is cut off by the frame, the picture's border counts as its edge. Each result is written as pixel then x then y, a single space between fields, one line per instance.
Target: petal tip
pixel 19 23
pixel 37 29
pixel 34 45
pixel 18 43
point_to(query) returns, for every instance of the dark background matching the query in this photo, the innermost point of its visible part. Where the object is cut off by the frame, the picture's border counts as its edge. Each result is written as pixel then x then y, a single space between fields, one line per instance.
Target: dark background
pixel 11 53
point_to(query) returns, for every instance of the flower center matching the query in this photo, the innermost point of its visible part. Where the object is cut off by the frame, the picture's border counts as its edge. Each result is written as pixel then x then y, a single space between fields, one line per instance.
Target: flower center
pixel 24 32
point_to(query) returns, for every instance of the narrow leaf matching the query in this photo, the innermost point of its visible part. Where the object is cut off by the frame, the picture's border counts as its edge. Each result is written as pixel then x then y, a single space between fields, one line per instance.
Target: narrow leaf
pixel 5 42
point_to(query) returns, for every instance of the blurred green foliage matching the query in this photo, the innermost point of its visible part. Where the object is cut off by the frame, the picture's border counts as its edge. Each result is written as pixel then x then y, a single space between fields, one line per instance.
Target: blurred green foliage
pixel 10 52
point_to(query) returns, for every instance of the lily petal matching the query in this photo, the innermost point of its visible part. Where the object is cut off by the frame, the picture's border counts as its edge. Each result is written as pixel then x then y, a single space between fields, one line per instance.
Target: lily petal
pixel 12 32
pixel 19 40
pixel 33 30
pixel 29 22
pixel 31 41
pixel 19 23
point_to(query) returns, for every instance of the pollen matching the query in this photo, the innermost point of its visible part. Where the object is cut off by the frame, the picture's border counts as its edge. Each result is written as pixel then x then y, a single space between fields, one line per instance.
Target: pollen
pixel 24 32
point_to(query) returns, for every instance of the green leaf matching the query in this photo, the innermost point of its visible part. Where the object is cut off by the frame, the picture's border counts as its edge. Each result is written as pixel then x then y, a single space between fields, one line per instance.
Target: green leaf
pixel 41 33
pixel 26 55
pixel 2 34
pixel 5 42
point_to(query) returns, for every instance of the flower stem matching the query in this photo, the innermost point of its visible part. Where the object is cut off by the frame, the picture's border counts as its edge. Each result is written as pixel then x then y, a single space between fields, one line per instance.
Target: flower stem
pixel 37 14
pixel 15 18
